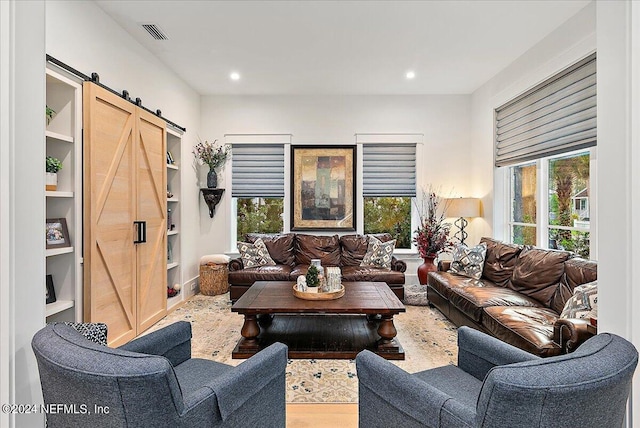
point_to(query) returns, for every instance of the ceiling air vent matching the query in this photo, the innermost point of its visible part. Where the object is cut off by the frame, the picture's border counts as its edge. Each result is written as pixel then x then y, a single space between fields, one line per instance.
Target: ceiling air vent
pixel 155 31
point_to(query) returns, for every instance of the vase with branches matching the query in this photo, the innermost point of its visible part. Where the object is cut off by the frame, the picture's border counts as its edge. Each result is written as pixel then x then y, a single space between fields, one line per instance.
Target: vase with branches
pixel 432 235
pixel 213 156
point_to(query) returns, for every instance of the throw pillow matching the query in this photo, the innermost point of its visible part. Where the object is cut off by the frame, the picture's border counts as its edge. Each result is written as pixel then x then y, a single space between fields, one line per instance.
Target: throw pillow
pixel 379 254
pixel 583 303
pixel 95 332
pixel 468 261
pixel 255 255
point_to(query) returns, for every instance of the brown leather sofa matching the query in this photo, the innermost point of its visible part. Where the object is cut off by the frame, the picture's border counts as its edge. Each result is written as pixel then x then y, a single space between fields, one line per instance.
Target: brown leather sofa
pixel 293 252
pixel 519 297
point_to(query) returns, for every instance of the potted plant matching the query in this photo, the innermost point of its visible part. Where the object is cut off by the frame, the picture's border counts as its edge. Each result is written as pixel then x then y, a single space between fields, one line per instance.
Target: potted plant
pixel 207 153
pixel 49 113
pixel 53 165
pixel 432 236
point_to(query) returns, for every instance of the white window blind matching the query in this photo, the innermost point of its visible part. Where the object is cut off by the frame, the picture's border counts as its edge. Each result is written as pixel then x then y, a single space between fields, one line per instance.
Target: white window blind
pixel 556 116
pixel 257 165
pixel 389 169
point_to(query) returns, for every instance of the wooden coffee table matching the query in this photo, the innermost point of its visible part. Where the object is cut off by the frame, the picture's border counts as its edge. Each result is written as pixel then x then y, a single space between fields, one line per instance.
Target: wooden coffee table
pixel 361 319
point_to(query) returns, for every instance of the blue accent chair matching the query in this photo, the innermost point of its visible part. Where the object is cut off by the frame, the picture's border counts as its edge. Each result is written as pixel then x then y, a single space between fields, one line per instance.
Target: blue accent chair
pixel 152 381
pixel 498 385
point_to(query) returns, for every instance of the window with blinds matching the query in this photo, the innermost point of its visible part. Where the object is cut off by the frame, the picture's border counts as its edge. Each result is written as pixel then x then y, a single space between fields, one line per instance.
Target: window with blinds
pixel 557 116
pixel 257 170
pixel 389 170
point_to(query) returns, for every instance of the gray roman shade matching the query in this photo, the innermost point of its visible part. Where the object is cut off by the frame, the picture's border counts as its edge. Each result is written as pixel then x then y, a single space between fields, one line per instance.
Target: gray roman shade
pixel 556 116
pixel 257 171
pixel 389 170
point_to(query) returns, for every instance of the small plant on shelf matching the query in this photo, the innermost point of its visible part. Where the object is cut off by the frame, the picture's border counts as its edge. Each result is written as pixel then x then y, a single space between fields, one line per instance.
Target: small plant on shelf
pixel 49 113
pixel 312 276
pixel 53 165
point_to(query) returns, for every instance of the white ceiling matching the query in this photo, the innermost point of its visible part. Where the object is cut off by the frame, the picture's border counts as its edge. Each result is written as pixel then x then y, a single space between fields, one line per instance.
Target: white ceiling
pixel 340 47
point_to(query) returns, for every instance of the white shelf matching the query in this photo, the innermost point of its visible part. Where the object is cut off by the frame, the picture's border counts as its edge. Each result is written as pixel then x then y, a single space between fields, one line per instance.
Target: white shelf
pixel 58 194
pixel 58 306
pixel 172 265
pixel 173 200
pixel 172 301
pixel 172 232
pixel 59 137
pixel 57 251
pixel 175 167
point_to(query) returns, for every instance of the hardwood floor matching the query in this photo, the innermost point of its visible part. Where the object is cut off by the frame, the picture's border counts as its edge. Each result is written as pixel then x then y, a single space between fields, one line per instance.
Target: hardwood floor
pixel 322 415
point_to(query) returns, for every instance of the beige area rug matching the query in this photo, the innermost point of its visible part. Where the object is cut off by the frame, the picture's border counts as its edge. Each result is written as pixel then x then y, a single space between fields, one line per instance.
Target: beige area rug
pixel 428 339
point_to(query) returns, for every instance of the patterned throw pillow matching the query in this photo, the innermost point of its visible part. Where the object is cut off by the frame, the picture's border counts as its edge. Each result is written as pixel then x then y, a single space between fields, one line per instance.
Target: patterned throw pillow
pixel 583 303
pixel 95 332
pixel 254 255
pixel 379 254
pixel 469 261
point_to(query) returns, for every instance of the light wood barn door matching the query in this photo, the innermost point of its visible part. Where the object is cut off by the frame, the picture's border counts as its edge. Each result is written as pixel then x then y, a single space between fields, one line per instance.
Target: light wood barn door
pixel 152 208
pixel 109 212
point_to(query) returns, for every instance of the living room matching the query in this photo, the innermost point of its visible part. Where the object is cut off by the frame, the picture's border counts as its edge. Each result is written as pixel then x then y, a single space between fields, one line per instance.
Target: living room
pixel 456 151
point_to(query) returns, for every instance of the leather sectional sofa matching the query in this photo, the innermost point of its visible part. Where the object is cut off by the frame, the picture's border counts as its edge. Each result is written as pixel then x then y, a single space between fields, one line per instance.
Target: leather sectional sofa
pixel 293 252
pixel 519 297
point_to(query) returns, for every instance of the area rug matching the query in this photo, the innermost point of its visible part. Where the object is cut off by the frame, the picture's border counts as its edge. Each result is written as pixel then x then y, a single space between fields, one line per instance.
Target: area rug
pixel 428 338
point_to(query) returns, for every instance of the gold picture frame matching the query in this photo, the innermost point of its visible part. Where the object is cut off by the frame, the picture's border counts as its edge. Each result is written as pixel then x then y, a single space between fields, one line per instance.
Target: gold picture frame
pixel 323 187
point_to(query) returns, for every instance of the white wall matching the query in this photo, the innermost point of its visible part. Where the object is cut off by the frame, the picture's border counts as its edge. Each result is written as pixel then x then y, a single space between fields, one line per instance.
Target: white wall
pixel 81 35
pixel 22 211
pixel 444 121
pixel 619 175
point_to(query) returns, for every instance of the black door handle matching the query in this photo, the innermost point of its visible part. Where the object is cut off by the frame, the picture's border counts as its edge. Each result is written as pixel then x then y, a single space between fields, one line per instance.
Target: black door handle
pixel 142 231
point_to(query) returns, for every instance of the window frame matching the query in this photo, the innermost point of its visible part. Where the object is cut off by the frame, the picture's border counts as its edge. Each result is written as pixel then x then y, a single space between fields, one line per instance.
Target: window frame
pixel 542 201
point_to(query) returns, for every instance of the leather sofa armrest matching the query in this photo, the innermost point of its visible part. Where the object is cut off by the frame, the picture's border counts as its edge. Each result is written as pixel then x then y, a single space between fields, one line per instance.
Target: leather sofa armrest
pixel 398 265
pixel 235 264
pixel 444 265
pixel 569 333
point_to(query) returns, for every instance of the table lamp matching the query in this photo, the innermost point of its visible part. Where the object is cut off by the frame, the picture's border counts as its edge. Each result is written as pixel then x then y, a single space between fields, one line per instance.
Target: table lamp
pixel 462 208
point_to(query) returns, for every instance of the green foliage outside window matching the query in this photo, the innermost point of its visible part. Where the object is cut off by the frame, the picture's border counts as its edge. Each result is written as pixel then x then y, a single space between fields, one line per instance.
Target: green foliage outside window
pixel 259 215
pixel 389 215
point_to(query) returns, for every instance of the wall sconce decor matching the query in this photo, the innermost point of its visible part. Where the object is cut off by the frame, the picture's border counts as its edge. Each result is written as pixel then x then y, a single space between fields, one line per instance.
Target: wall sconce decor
pixel 462 208
pixel 212 197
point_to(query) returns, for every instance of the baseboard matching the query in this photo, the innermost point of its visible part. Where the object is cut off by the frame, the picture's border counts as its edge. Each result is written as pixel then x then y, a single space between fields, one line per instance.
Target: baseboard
pixel 191 287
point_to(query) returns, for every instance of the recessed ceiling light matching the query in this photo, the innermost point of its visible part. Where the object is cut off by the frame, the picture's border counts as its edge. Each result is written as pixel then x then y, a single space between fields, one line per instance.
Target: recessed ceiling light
pixel 235 76
pixel 411 74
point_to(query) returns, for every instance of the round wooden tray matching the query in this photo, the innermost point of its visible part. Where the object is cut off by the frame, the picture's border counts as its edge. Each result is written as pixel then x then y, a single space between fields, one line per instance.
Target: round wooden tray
pixel 331 295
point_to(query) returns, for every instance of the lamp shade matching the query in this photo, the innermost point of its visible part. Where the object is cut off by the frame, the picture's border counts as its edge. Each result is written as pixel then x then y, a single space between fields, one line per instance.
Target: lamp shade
pixel 463 207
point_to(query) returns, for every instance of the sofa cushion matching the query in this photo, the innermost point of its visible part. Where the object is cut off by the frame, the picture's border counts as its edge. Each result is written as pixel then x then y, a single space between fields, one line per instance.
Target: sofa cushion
pixel 472 300
pixel 370 273
pixel 263 273
pixel 577 271
pixel 527 328
pixel 468 261
pixel 500 261
pixel 254 254
pixel 445 282
pixel 280 246
pixel 379 254
pixel 325 248
pixel 538 272
pixel 583 303
pixel 354 247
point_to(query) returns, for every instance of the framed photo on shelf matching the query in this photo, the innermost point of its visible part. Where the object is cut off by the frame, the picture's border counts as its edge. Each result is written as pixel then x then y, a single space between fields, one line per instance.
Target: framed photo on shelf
pixel 57 234
pixel 50 295
pixel 323 184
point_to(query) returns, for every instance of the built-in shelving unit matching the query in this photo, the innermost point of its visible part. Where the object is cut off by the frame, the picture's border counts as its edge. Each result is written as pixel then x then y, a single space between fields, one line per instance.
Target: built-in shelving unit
pixel 63 140
pixel 174 217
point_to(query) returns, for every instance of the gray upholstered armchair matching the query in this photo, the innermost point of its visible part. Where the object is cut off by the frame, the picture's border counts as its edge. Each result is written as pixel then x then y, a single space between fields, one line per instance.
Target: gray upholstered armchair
pixel 153 382
pixel 498 385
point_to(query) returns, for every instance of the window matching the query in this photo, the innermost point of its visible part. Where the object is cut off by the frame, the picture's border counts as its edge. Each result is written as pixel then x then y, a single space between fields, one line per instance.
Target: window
pixel 389 186
pixel 257 184
pixel 547 137
pixel 566 222
pixel 389 215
